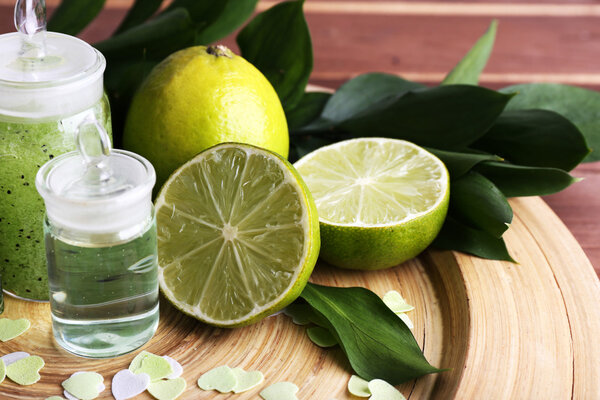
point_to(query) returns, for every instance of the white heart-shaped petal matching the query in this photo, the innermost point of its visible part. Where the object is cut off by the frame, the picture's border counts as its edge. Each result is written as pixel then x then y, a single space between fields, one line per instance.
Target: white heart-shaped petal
pixel 177 368
pixel 69 396
pixel 126 384
pixel 14 357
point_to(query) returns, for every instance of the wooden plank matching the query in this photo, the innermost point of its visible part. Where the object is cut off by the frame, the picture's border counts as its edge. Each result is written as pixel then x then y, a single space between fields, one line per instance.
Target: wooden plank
pixel 445 8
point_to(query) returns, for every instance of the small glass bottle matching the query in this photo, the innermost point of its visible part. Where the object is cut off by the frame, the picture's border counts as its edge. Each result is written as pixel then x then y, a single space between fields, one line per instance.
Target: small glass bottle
pixel 49 84
pixel 101 249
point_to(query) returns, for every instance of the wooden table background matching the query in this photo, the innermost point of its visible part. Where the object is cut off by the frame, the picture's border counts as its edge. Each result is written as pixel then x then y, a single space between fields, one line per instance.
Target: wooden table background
pixel 538 40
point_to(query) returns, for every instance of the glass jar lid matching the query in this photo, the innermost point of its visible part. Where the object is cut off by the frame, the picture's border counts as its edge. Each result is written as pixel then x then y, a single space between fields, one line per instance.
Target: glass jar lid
pixel 97 189
pixel 45 74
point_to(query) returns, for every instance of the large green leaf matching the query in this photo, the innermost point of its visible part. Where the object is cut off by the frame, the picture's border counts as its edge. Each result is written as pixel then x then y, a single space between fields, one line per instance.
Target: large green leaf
pixel 445 117
pixel 121 80
pixel 479 202
pixel 153 40
pixel 458 236
pixel 377 343
pixel 358 95
pixel 537 138
pixel 278 43
pixel 307 110
pixel 459 163
pixel 234 14
pixel 518 180
pixel 580 106
pixel 202 12
pixel 72 16
pixel 139 13
pixel 469 68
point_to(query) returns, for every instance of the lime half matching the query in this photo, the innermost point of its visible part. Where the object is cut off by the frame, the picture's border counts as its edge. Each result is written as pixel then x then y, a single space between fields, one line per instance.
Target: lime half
pixel 238 235
pixel 380 201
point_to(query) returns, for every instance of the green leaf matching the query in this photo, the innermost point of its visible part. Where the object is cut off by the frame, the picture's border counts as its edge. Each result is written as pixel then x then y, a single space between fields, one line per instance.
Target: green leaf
pixel 139 13
pixel 578 105
pixel 518 180
pixel 458 236
pixel 377 343
pixel 235 13
pixel 153 40
pixel 278 43
pixel 445 117
pixel 480 203
pixel 121 80
pixel 468 69
pixel 302 145
pixel 307 110
pixel 363 92
pixel 459 163
pixel 536 138
pixel 203 12
pixel 72 16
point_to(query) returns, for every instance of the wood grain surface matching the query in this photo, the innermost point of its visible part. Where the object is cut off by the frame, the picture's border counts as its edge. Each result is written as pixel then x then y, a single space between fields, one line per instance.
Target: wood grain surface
pixel 522 331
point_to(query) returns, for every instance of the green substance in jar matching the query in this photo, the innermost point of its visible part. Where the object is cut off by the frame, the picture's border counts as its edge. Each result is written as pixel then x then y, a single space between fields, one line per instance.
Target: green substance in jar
pixel 24 147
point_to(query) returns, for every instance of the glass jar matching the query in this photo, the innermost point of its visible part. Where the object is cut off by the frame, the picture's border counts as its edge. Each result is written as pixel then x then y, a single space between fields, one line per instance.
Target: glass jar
pixel 49 84
pixel 101 246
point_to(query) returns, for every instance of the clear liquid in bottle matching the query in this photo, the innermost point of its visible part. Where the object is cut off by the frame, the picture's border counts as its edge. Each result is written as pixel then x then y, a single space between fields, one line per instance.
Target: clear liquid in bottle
pixel 104 298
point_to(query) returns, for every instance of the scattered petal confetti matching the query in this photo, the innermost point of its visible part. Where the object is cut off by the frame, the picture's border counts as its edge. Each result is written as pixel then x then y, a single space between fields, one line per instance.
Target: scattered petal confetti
pixel 55 398
pixel 136 363
pixel 10 329
pixel 2 371
pixel 381 390
pixel 153 365
pixel 14 357
pixel 281 391
pixel 321 336
pixel 168 389
pixel 84 385
pixel 126 384
pixel 69 396
pixel 406 320
pixel 246 380
pixel 221 378
pixel 396 302
pixel 177 368
pixel 300 313
pixel 358 386
pixel 26 370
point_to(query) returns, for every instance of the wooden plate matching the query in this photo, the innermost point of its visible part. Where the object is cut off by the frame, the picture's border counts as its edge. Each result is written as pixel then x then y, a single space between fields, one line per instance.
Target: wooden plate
pixel 507 331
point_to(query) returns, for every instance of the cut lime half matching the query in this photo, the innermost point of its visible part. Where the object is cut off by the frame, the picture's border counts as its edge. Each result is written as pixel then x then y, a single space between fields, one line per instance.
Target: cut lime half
pixel 380 201
pixel 238 235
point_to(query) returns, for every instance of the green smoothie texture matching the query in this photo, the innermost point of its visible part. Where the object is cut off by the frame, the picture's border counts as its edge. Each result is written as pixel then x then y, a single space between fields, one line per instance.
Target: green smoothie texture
pixel 24 147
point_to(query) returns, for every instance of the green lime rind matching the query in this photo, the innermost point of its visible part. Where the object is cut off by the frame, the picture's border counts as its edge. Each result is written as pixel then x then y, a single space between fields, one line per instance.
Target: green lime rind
pixel 348 247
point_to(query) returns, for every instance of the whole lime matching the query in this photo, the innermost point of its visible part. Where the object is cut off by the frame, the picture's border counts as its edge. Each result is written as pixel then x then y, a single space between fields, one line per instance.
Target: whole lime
pixel 199 97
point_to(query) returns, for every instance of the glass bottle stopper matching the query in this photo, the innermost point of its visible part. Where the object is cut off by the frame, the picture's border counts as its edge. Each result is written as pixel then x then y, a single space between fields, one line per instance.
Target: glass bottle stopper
pixel 30 21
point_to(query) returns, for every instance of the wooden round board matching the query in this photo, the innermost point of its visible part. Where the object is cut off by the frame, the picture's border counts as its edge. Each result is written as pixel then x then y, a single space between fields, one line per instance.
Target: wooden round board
pixel 522 331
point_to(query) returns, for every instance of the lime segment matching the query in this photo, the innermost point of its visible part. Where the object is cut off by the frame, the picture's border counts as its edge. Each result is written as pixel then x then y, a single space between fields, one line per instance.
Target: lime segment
pixel 238 235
